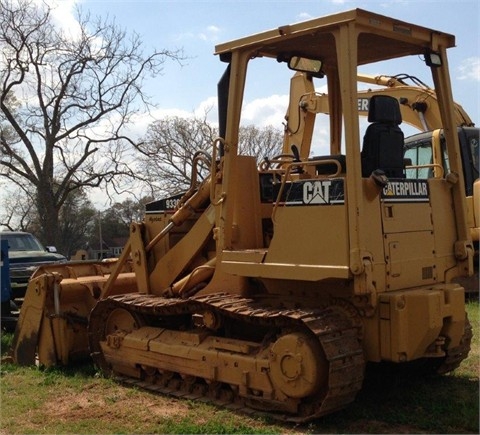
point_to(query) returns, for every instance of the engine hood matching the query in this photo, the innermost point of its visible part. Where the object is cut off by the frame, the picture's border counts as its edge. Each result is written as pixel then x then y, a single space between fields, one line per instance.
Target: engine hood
pixel 29 257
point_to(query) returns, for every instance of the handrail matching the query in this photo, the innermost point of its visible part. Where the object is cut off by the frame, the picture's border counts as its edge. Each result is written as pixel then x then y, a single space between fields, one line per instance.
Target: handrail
pixel 278 160
pixel 213 172
pixel 430 165
pixel 199 156
pixel 301 164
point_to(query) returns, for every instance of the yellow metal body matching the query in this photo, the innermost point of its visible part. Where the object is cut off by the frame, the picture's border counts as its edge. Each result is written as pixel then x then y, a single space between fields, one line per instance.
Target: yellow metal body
pixel 273 286
pixel 53 318
pixel 419 108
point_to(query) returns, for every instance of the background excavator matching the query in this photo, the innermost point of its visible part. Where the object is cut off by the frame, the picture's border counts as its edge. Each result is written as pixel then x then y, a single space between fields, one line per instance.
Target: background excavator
pixel 270 287
pixel 425 152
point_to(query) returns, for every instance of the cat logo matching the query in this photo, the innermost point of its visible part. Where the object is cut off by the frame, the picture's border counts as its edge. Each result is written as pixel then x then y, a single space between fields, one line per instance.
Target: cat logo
pixel 406 191
pixel 316 192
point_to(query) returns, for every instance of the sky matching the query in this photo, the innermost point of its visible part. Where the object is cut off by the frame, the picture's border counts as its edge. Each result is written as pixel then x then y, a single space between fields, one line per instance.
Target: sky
pixel 196 27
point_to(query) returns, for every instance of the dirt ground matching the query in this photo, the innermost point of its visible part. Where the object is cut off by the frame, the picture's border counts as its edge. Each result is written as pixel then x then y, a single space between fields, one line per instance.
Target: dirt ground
pixel 98 402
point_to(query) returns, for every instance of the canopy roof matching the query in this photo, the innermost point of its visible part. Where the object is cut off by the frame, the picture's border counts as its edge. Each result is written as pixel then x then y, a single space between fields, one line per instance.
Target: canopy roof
pixel 380 38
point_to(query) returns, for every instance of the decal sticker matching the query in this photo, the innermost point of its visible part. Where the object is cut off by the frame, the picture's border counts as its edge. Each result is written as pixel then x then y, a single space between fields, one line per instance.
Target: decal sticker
pixel 313 192
pixel 405 191
pixel 165 205
pixel 363 104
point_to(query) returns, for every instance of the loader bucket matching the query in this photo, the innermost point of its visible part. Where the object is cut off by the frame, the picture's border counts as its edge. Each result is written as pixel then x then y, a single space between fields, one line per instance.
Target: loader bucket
pixel 52 324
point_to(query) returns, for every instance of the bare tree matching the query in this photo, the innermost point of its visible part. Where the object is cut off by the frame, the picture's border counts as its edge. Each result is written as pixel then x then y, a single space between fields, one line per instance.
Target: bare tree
pixel 74 220
pixel 75 223
pixel 260 141
pixel 168 151
pixel 172 144
pixel 65 100
pixel 130 210
pixel 18 210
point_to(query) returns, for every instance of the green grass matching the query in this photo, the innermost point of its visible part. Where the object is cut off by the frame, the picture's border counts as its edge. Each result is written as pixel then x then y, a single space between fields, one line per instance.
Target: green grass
pixel 6 342
pixel 75 400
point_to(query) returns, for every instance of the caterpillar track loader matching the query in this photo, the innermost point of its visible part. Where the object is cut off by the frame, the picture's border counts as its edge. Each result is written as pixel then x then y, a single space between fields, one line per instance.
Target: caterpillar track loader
pixel 270 287
pixel 425 151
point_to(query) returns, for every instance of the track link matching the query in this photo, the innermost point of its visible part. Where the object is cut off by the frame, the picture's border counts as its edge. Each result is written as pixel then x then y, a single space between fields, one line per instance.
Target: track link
pixel 337 335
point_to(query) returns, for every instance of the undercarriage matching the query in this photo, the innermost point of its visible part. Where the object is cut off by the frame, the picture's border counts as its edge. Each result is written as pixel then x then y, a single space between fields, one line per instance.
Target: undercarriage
pixel 228 350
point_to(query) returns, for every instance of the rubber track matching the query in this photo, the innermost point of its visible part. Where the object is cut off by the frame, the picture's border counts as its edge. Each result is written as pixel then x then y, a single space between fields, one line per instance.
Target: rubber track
pixel 335 332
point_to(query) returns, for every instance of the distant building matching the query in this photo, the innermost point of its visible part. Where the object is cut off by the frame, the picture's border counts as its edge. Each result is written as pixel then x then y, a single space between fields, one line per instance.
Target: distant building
pixel 110 249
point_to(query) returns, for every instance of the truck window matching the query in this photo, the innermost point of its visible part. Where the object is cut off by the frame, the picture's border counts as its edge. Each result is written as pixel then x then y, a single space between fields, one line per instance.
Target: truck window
pixel 23 242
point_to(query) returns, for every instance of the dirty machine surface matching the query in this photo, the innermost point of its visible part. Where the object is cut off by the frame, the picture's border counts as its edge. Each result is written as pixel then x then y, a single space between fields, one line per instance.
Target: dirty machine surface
pixel 270 285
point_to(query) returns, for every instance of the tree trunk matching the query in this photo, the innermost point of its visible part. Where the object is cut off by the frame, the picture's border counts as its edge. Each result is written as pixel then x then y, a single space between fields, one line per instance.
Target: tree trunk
pixel 48 215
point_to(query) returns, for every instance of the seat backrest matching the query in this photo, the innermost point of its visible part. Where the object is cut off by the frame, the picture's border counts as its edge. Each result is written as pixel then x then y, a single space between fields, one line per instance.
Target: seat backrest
pixel 383 141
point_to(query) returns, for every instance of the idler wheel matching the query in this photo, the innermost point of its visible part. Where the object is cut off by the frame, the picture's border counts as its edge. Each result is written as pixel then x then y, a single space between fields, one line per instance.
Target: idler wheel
pixel 121 320
pixel 297 365
pixel 111 324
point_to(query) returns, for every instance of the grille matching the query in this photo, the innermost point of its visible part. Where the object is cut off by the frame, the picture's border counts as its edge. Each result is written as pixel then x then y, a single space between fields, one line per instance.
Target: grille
pixel 427 272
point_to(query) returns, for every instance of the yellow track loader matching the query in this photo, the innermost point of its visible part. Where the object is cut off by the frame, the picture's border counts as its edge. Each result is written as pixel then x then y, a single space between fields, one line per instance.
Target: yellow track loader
pixel 270 287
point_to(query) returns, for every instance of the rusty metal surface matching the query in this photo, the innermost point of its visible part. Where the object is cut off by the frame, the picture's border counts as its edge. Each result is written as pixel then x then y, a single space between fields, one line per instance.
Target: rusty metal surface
pixel 336 334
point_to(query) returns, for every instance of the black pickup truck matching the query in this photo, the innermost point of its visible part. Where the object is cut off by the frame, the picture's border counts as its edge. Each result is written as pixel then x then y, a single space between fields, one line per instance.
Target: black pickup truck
pixel 25 254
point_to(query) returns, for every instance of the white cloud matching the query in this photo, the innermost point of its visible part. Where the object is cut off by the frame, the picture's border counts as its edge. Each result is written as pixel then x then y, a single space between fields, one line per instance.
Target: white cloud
pixel 63 15
pixel 469 69
pixel 208 108
pixel 139 123
pixel 138 126
pixel 267 111
pixel 260 112
pixel 304 16
pixel 209 34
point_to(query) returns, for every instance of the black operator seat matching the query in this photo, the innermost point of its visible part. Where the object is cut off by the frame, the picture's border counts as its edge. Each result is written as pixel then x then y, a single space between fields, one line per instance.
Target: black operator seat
pixel 383 140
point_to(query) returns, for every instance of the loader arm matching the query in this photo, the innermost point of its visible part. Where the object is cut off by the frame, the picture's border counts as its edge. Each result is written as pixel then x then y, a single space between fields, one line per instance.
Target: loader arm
pixel 54 315
pixel 418 105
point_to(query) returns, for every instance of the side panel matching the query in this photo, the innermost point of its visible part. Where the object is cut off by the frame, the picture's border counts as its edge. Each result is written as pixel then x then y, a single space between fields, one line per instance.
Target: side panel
pixel 408 234
pixel 311 225
pixel 410 259
pixel 417 323
pixel 444 226
pixel 310 236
